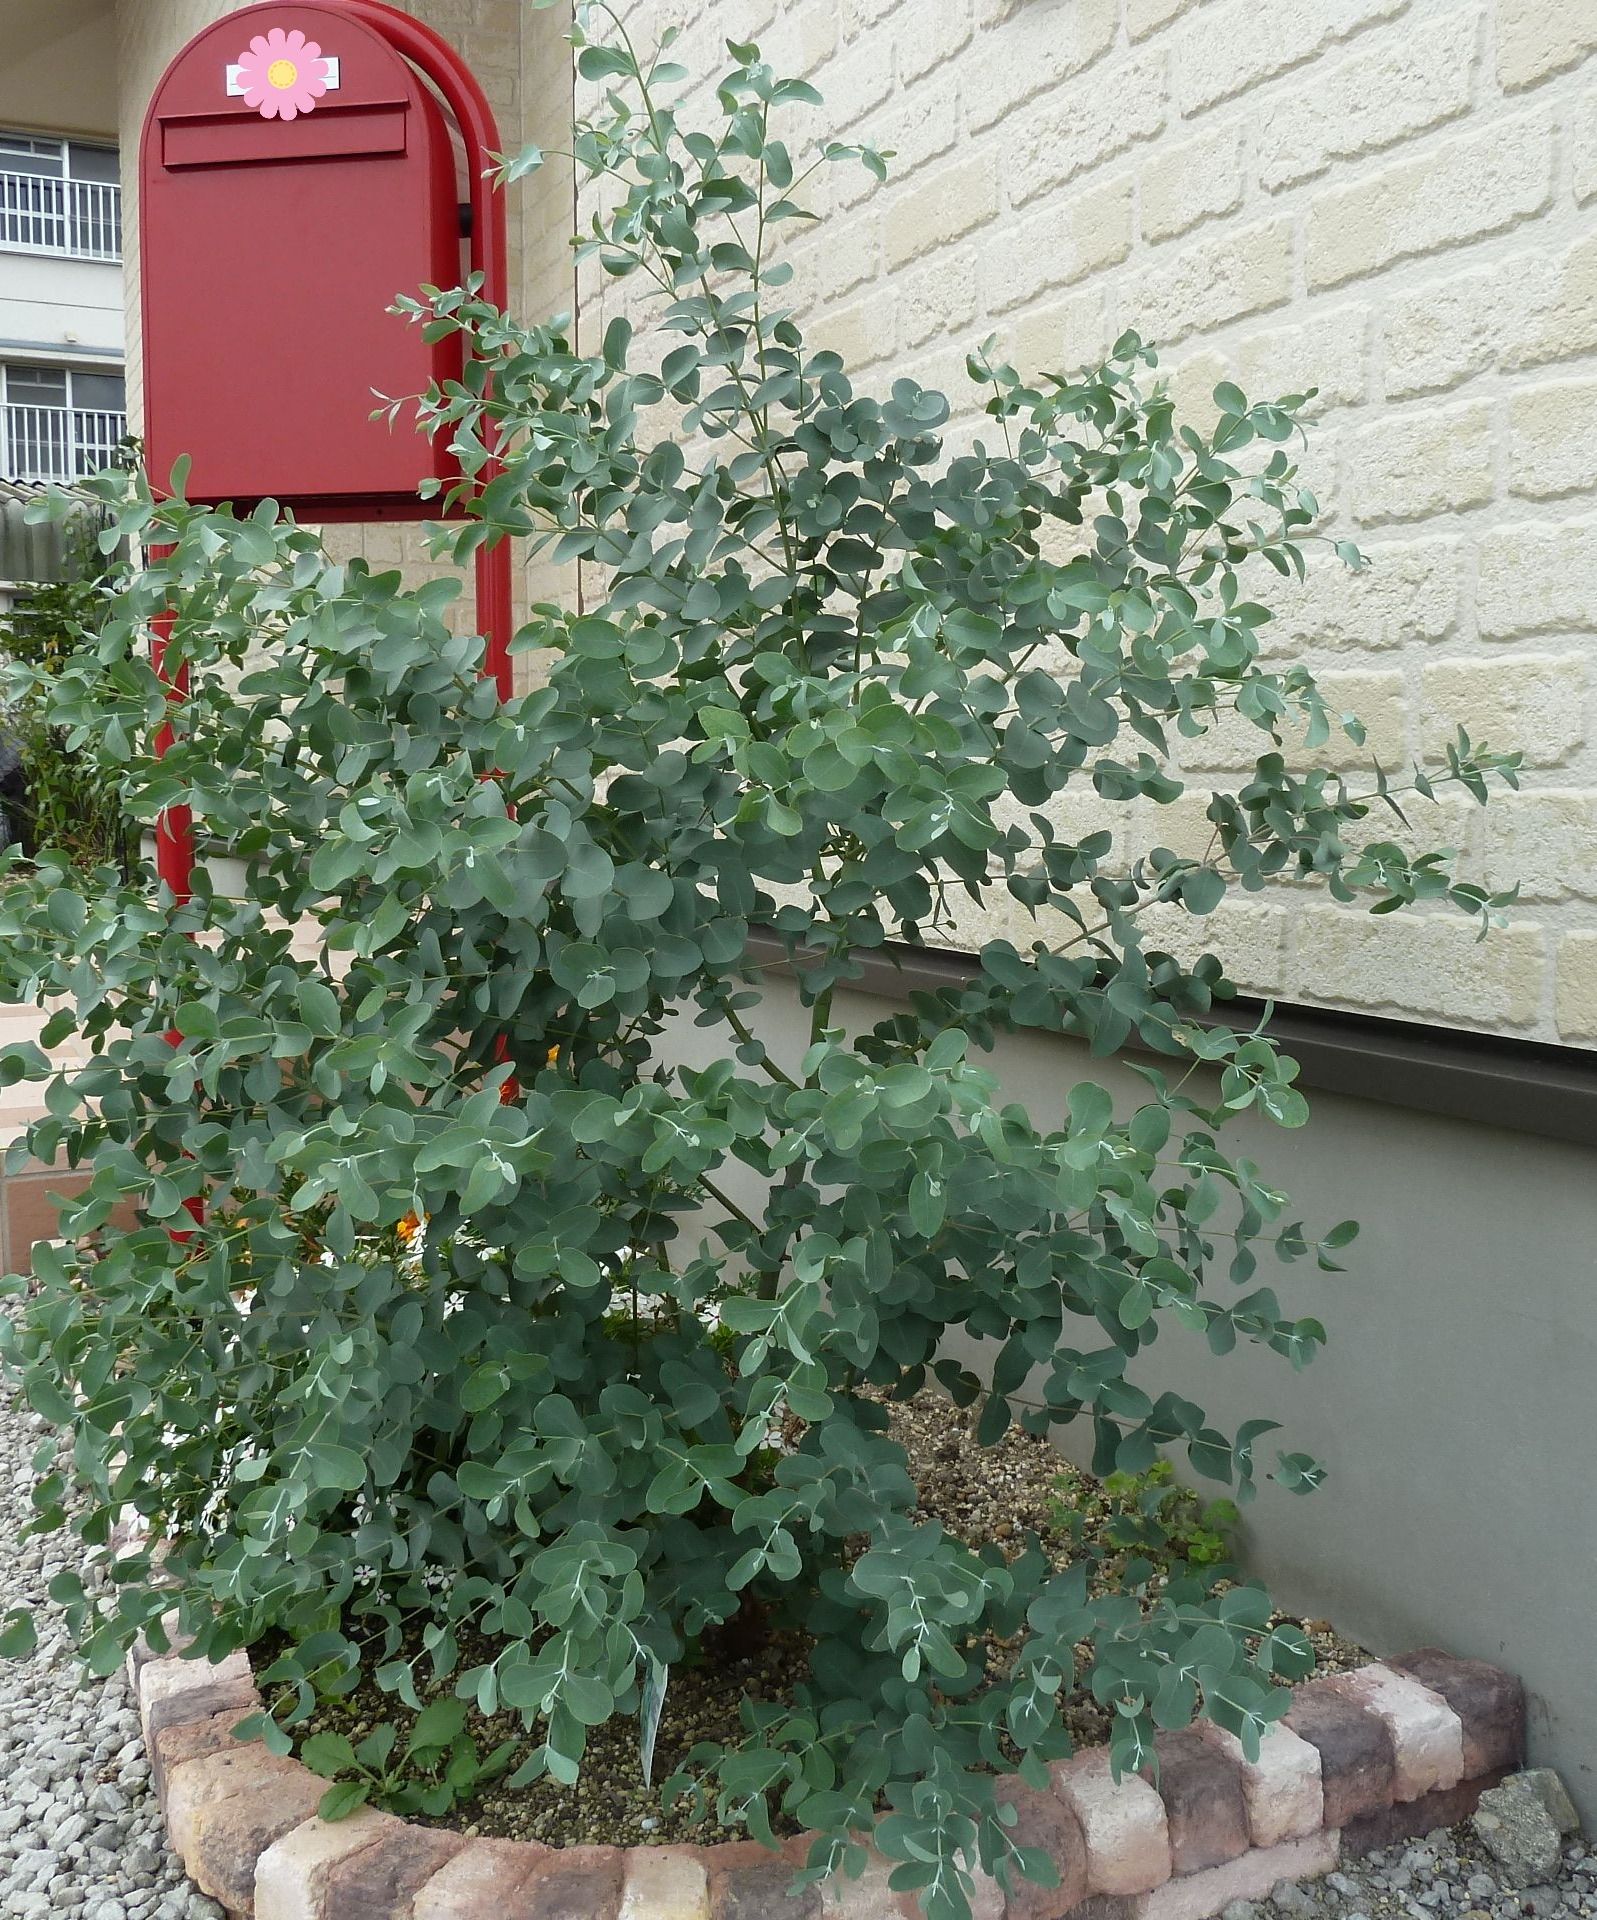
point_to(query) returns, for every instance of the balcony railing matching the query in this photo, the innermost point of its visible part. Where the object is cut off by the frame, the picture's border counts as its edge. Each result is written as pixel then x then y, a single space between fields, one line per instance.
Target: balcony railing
pixel 81 219
pixel 57 443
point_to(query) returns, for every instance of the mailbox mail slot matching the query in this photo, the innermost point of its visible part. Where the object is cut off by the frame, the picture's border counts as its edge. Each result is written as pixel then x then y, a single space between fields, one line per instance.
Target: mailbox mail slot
pixel 223 140
pixel 277 245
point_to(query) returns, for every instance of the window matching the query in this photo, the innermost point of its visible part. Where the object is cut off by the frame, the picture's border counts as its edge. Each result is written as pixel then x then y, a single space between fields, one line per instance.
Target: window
pixel 103 164
pixel 36 386
pixel 59 196
pixel 59 423
pixel 99 392
pixel 20 154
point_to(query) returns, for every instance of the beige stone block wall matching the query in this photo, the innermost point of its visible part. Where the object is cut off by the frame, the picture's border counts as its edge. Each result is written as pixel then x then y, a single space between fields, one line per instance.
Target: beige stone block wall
pixel 1389 200
pixel 524 67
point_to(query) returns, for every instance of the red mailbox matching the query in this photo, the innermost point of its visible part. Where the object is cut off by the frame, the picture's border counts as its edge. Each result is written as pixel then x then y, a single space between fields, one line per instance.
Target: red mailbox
pixel 296 174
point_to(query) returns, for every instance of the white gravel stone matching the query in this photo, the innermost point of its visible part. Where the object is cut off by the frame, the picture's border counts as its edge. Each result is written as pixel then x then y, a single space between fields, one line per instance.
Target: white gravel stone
pixel 1445 1876
pixel 81 1836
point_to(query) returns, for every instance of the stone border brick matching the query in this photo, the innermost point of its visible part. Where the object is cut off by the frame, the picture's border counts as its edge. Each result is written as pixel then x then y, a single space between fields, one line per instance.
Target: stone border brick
pixel 573 1883
pixel 666 1883
pixel 1047 1821
pixel 1204 1807
pixel 172 1691
pixel 187 1740
pixel 867 1898
pixel 225 1811
pixel 485 1877
pixel 380 1881
pixel 749 1882
pixel 1361 1760
pixel 292 1875
pixel 1250 1876
pixel 1358 1762
pixel 1427 1736
pixel 1122 1822
pixel 1409 1819
pixel 1490 1705
pixel 1285 1799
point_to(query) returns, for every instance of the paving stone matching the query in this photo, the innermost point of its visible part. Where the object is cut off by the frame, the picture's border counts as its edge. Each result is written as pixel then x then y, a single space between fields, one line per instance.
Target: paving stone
pixel 869 1897
pixel 1205 1811
pixel 484 1881
pixel 165 1685
pixel 1045 1820
pixel 1250 1876
pixel 574 1883
pixel 291 1875
pixel 1426 1735
pixel 191 1740
pixel 223 1812
pixel 749 1882
pixel 202 1703
pixel 1358 1760
pixel 379 1882
pixel 1123 1825
pixel 1282 1787
pixel 1408 1819
pixel 665 1883
pixel 1490 1705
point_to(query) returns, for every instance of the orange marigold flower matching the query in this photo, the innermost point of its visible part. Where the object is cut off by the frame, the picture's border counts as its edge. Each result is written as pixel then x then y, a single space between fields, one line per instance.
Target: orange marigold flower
pixel 409 1227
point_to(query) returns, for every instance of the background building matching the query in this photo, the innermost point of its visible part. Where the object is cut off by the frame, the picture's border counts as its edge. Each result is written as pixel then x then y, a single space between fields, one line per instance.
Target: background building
pixel 63 406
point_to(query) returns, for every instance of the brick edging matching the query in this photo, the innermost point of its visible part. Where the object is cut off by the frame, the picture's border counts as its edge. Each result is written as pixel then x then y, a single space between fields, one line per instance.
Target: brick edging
pixel 1363 1759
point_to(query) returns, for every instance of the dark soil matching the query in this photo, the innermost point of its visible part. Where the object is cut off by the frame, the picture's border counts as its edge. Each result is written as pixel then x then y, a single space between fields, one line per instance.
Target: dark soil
pixel 980 1494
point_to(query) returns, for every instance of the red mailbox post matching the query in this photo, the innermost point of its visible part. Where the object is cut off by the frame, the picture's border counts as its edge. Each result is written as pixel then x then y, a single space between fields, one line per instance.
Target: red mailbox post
pixel 296 173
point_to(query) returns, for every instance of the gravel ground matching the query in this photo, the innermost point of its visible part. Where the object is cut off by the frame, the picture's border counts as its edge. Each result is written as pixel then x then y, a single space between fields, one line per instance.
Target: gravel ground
pixel 80 1831
pixel 1445 1876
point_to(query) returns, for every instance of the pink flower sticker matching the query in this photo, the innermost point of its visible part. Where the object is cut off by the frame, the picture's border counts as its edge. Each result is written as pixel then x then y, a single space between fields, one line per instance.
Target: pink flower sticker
pixel 282 74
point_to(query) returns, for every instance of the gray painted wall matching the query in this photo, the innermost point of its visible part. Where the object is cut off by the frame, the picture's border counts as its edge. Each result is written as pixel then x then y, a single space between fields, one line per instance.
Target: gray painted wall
pixel 1455 1406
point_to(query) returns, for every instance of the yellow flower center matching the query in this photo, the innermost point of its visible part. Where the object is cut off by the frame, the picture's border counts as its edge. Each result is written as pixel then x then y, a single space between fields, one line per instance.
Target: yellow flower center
pixel 282 74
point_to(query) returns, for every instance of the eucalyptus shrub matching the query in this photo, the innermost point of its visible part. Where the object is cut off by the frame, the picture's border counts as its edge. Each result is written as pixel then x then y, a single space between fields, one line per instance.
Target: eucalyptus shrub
pixel 626 1383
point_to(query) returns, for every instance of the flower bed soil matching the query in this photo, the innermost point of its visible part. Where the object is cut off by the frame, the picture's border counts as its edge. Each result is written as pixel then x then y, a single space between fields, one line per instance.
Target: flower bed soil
pixel 1002 1493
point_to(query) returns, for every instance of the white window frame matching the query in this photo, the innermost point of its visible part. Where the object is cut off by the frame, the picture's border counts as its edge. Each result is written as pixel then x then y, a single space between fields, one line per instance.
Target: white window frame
pixel 55 212
pixel 43 441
